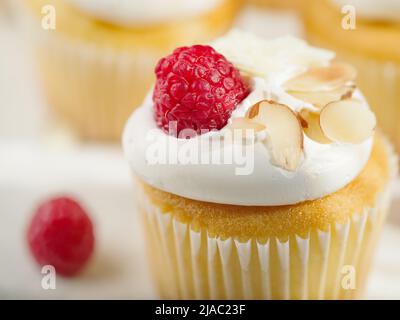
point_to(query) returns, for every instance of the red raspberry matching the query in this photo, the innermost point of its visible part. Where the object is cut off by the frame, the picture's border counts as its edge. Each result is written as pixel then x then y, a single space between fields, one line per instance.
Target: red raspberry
pixel 198 88
pixel 61 234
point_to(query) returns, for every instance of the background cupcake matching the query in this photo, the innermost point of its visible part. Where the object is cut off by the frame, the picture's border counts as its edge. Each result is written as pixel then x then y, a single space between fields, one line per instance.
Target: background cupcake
pixel 310 209
pixel 97 63
pixel 365 36
pixel 279 4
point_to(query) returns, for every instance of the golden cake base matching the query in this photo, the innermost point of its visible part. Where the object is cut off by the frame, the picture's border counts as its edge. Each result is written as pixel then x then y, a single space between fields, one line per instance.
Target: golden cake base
pixel 311 250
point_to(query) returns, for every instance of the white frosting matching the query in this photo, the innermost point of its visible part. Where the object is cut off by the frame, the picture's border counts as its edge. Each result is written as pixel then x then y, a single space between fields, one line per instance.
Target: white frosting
pixel 134 12
pixel 374 9
pixel 324 170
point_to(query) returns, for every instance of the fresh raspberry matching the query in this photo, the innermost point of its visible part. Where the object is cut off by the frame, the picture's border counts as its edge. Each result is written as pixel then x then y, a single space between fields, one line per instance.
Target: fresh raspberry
pixel 61 234
pixel 198 88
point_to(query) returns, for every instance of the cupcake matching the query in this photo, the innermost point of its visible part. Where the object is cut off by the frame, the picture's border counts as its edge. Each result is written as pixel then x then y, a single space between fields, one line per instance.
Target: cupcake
pixel 365 33
pixel 279 4
pixel 259 174
pixel 96 65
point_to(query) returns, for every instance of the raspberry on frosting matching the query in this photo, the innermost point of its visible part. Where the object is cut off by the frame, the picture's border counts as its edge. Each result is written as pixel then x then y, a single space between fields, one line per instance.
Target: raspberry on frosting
pixel 198 88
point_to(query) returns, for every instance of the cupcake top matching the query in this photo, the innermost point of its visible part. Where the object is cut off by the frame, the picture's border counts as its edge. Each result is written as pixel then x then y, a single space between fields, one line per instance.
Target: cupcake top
pixel 136 12
pixel 386 10
pixel 251 122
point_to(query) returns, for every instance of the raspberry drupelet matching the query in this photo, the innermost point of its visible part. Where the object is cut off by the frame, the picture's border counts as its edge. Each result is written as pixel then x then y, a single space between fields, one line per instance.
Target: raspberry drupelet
pixel 198 88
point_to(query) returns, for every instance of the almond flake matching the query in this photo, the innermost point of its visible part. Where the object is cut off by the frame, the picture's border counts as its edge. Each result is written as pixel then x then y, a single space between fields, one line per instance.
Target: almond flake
pixel 311 126
pixel 320 99
pixel 245 124
pixel 326 78
pixel 285 135
pixel 347 121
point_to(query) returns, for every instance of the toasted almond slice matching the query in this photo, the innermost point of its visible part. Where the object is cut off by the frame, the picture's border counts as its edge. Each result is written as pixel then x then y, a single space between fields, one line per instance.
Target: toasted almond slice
pixel 245 124
pixel 285 136
pixel 310 123
pixel 253 112
pixel 347 121
pixel 322 78
pixel 243 129
pixel 321 98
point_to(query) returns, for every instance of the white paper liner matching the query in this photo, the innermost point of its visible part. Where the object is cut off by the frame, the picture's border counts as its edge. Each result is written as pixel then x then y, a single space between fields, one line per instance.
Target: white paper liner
pixel 341 245
pixel 221 250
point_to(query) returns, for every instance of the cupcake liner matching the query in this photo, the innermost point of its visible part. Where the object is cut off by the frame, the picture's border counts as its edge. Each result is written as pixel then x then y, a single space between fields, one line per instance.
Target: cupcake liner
pixel 93 89
pixel 104 87
pixel 199 266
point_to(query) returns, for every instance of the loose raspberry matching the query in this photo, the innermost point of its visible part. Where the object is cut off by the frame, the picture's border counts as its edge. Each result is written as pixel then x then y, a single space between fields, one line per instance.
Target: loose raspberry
pixel 61 234
pixel 198 88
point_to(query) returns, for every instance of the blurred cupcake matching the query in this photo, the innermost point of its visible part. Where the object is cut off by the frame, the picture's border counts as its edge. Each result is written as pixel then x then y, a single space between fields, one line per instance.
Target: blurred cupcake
pixel 3 7
pixel 370 47
pixel 97 64
pixel 299 215
pixel 279 4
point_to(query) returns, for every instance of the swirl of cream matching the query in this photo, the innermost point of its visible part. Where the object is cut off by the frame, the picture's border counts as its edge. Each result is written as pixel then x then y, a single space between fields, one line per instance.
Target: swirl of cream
pixel 138 12
pixel 386 10
pixel 325 168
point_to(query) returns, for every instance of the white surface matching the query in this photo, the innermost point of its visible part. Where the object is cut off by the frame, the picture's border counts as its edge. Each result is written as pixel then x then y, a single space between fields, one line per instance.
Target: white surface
pixel 98 176
pixel 37 162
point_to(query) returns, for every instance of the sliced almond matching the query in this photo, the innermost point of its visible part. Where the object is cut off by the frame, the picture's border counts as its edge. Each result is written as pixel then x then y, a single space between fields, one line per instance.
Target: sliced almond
pixel 321 98
pixel 347 121
pixel 245 124
pixel 254 111
pixel 311 126
pixel 243 130
pixel 285 136
pixel 322 78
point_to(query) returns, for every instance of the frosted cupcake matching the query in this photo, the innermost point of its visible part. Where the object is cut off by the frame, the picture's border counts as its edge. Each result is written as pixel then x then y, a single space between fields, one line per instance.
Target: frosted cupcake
pixel 96 66
pixel 298 216
pixel 371 47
